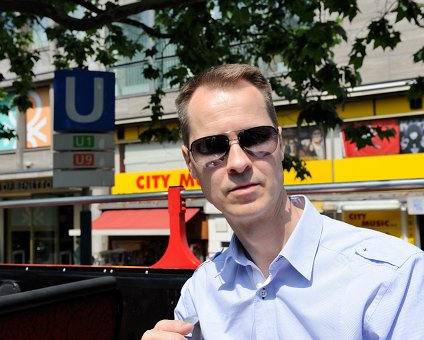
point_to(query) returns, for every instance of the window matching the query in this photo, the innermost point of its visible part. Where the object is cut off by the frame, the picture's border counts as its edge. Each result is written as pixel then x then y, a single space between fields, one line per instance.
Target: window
pixel 129 73
pixel 39 35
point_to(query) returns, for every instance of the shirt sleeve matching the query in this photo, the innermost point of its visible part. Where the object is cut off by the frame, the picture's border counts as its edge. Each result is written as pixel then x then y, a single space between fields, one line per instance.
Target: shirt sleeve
pixel 185 306
pixel 398 313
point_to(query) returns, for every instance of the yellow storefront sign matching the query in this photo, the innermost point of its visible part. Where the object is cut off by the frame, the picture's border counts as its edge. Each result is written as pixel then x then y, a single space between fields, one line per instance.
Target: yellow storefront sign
pixel 154 181
pixel 388 222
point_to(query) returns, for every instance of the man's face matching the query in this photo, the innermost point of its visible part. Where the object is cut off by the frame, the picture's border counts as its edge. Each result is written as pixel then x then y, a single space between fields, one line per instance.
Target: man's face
pixel 316 136
pixel 242 187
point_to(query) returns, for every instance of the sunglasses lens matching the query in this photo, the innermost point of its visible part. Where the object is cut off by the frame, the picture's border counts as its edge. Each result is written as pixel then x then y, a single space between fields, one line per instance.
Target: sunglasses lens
pixel 210 151
pixel 259 141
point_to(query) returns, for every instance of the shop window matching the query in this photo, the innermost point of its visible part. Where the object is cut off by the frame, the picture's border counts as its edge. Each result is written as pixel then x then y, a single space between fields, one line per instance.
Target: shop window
pixel 39 235
pixel 134 250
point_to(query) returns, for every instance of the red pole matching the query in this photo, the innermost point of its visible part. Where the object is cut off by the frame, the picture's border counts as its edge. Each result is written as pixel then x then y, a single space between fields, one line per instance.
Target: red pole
pixel 178 254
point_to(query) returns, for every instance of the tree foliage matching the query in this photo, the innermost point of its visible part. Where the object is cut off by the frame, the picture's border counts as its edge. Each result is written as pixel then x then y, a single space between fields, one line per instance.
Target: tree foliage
pixel 302 34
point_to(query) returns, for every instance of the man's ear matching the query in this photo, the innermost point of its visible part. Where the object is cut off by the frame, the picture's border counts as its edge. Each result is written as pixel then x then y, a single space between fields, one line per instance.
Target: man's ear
pixel 189 163
pixel 280 131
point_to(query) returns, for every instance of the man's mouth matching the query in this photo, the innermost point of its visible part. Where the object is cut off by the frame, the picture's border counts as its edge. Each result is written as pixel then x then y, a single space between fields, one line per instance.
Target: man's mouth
pixel 243 188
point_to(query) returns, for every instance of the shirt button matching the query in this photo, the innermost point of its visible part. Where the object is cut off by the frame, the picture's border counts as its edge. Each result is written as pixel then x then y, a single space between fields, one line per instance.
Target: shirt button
pixel 263 293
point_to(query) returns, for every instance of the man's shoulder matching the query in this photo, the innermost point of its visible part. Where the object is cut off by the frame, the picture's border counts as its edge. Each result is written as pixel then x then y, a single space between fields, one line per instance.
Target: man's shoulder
pixel 216 261
pixel 387 249
pixel 367 245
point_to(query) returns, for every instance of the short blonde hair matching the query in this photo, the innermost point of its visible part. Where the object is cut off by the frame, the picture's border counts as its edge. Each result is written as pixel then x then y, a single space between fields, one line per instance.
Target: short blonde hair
pixel 222 76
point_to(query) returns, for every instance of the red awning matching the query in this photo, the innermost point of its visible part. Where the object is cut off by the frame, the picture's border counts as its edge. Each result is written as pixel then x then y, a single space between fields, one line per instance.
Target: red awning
pixel 134 222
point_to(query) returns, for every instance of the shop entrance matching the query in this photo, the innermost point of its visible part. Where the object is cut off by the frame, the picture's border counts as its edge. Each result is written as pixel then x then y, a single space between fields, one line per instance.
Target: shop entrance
pixel 39 235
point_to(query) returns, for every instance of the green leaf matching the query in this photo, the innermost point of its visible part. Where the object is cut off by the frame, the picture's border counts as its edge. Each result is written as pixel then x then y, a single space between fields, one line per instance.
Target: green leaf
pixel 161 134
pixel 320 112
pixel 409 10
pixel 150 72
pixel 358 53
pixel 382 34
pixel 151 52
pixel 298 165
pixel 416 89
pixel 419 55
pixel 347 8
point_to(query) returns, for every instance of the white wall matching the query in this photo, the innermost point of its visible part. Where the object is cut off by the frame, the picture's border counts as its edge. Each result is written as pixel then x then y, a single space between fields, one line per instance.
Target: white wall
pixel 383 65
pixel 218 229
pixel 153 157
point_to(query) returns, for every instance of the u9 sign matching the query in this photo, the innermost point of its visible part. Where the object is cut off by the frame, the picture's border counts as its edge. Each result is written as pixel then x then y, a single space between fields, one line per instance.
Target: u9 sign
pixel 84 101
pixel 83 159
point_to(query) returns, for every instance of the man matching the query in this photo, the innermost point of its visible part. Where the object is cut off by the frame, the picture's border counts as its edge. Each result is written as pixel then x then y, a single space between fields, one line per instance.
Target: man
pixel 289 272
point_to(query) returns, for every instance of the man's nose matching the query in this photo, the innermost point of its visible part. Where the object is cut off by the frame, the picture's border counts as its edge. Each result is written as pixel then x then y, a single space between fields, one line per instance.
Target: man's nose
pixel 238 160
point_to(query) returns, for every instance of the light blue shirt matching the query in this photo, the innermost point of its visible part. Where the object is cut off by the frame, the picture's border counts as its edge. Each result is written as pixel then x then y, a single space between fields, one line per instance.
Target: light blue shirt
pixel 330 281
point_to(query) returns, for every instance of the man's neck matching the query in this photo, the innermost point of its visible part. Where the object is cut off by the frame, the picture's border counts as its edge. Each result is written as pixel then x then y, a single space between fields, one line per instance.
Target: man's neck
pixel 264 240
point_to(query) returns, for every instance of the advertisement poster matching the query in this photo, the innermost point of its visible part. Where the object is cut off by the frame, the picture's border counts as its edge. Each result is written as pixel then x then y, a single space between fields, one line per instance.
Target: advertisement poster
pixel 412 135
pixel 306 142
pixel 290 142
pixel 38 121
pixel 380 147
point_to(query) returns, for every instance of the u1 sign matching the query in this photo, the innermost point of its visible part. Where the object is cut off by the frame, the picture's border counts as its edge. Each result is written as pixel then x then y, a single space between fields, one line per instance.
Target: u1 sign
pixel 84 101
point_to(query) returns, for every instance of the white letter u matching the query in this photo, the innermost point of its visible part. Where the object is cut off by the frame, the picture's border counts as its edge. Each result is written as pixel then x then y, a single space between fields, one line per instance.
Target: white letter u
pixel 71 111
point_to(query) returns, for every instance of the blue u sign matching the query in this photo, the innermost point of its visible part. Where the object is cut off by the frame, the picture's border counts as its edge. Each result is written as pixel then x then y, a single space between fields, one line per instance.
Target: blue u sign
pixel 84 101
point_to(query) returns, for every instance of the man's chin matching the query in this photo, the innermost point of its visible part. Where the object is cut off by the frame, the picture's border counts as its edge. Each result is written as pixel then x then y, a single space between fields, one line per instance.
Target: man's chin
pixel 247 209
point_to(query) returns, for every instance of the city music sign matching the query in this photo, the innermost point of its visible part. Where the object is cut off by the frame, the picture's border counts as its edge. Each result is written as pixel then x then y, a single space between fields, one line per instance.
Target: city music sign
pixel 153 181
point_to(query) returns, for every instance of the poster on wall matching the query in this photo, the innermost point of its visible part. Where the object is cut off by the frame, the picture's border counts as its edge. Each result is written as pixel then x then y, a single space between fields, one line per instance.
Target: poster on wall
pixel 306 142
pixel 380 147
pixel 38 121
pixel 290 142
pixel 412 135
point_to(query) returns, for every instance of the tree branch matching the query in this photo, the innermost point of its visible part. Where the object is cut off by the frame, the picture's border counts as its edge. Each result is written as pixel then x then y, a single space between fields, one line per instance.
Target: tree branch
pixel 87 5
pixel 102 18
pixel 144 27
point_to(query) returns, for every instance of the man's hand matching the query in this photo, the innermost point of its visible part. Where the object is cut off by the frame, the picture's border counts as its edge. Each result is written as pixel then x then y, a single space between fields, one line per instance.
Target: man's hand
pixel 169 330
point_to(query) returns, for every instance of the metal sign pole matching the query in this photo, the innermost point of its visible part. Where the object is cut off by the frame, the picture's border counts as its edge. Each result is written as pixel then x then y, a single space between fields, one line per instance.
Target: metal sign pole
pixel 85 225
pixel 84 118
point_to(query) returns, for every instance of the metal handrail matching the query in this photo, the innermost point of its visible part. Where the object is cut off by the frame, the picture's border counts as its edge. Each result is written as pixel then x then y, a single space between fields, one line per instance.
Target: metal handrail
pixel 74 200
pixel 345 187
pixel 366 186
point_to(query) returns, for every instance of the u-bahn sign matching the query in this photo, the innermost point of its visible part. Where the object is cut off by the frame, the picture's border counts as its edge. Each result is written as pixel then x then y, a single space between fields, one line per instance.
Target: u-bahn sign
pixel 84 101
pixel 84 120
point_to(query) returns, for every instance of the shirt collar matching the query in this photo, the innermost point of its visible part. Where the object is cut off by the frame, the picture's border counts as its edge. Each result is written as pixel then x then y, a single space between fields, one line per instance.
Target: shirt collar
pixel 237 252
pixel 300 249
pixel 302 246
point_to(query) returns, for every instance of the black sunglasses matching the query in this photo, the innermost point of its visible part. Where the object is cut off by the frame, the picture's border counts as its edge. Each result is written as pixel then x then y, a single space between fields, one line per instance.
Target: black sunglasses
pixel 211 151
